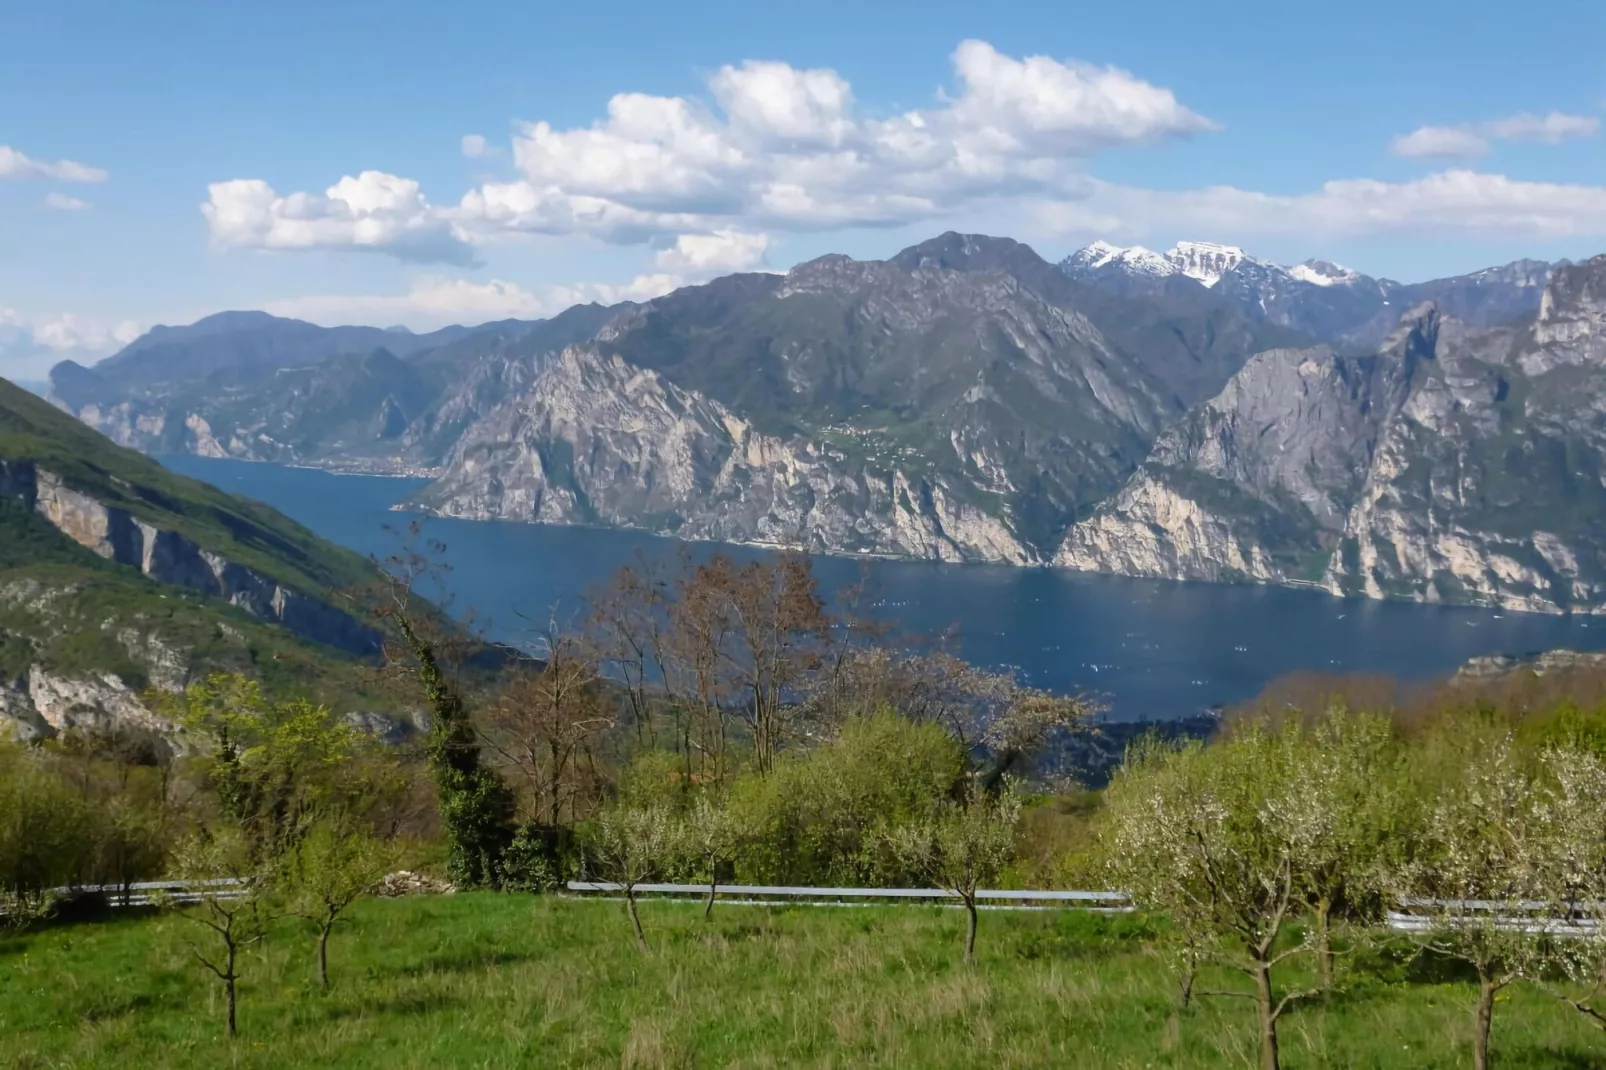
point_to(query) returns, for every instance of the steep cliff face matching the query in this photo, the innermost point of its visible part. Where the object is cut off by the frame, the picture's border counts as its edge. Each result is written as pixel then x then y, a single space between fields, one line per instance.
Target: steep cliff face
pixel 956 402
pixel 1456 464
pixel 168 557
pixel 597 440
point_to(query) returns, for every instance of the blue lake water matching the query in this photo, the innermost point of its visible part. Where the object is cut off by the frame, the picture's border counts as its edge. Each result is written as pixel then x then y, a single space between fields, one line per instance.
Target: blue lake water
pixel 1151 648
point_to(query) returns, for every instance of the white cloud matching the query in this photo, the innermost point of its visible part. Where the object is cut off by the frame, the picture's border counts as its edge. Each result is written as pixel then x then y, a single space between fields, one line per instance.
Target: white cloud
pixel 776 148
pixel 1439 141
pixel 63 203
pixel 1476 139
pixel 14 164
pixel 787 151
pixel 1457 201
pixel 29 346
pixel 372 210
pixel 1550 129
pixel 719 253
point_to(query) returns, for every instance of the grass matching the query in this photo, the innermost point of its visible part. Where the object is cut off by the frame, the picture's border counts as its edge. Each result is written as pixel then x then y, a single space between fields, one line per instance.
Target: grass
pixel 485 980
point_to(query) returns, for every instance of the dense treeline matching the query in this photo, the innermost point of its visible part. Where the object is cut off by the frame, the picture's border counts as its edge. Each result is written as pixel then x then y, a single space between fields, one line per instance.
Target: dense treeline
pixel 718 723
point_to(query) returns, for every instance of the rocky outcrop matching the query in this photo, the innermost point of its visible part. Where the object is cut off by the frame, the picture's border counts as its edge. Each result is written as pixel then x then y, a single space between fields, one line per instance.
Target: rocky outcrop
pixel 1455 465
pixel 597 440
pixel 1490 667
pixel 169 557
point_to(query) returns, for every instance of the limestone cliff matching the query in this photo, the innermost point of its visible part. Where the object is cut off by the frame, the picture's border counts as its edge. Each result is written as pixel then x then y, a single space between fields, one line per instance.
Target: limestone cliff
pixel 596 440
pixel 1457 464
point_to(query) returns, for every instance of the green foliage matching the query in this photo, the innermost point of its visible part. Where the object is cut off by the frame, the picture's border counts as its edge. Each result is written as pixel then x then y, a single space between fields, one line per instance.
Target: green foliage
pixel 476 806
pixel 250 533
pixel 822 816
pixel 270 762
pixel 46 838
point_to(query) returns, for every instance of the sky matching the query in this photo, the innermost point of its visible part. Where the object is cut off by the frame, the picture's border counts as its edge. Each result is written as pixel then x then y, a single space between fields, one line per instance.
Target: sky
pixel 428 163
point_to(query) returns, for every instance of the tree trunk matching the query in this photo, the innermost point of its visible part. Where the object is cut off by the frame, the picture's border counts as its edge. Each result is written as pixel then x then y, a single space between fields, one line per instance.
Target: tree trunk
pixel 1324 941
pixel 1480 1036
pixel 1268 1017
pixel 635 919
pixel 323 956
pixel 708 906
pixel 1189 967
pixel 228 992
pixel 970 929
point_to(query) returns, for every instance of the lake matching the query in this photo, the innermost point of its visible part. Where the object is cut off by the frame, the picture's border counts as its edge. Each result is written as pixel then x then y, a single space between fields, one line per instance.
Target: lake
pixel 1153 649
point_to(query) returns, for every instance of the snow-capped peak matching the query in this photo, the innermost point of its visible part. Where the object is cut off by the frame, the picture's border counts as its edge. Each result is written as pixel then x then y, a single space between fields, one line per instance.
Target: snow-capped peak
pixel 1133 258
pixel 1205 261
pixel 1323 273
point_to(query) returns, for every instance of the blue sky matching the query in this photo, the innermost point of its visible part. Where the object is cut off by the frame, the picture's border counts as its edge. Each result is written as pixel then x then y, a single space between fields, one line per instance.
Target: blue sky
pixel 165 161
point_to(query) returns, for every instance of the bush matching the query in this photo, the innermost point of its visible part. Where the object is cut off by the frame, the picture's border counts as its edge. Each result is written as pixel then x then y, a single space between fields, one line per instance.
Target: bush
pixel 822 816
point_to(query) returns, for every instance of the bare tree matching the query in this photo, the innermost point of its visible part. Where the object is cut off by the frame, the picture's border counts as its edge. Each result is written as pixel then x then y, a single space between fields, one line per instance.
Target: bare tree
pixel 627 625
pixel 961 847
pixel 545 721
pixel 631 846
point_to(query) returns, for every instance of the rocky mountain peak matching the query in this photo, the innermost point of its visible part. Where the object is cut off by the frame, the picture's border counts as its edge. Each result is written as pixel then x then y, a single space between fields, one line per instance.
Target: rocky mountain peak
pixel 1324 273
pixel 968 252
pixel 1572 313
pixel 1417 334
pixel 1205 261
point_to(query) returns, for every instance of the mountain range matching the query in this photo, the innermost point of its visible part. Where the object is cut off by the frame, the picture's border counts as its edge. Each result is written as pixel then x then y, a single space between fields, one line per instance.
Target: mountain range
pixel 1198 414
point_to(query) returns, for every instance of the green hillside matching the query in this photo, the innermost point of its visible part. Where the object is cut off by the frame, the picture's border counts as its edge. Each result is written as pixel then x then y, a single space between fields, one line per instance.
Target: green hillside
pixel 70 613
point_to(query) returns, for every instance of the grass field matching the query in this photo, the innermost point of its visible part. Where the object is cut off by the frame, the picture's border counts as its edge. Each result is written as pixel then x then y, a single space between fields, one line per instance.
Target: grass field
pixel 486 980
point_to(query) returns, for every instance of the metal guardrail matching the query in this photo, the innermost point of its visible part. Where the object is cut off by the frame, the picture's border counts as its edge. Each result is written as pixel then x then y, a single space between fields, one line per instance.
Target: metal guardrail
pixel 773 895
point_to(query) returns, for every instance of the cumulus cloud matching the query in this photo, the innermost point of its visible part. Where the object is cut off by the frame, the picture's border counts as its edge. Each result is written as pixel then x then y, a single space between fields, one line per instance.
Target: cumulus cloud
pixel 786 149
pixel 63 203
pixel 372 211
pixel 30 345
pixel 14 164
pixel 719 253
pixel 774 147
pixel 1456 201
pixel 1476 139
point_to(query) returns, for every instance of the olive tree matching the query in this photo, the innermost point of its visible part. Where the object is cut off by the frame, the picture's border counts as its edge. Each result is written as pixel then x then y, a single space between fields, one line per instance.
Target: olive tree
pixel 630 846
pixel 335 861
pixel 1342 817
pixel 961 847
pixel 1478 865
pixel 1210 836
pixel 231 894
pixel 710 833
pixel 1575 878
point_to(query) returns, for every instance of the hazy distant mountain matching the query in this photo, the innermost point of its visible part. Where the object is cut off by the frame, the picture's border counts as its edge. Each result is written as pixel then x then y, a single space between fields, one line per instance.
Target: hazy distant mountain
pixel 257 387
pixel 1324 300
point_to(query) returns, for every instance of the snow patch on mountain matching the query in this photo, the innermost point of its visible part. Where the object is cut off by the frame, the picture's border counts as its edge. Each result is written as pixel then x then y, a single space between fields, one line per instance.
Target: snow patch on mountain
pixel 1324 273
pixel 1203 261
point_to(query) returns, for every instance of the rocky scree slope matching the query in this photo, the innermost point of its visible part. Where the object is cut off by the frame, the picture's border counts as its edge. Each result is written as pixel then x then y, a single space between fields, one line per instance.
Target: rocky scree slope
pixel 963 401
pixel 116 575
pixel 1454 464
